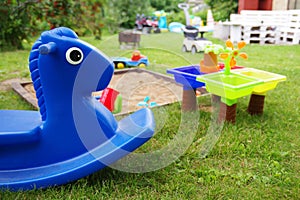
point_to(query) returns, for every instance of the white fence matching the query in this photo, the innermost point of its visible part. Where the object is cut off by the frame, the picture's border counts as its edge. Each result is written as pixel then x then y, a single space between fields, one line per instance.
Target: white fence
pixel 263 27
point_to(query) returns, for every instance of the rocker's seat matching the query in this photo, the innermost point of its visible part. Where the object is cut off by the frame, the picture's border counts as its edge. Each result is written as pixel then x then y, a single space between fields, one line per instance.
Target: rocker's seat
pixel 18 126
pixel 131 133
pixel 137 127
pixel 190 32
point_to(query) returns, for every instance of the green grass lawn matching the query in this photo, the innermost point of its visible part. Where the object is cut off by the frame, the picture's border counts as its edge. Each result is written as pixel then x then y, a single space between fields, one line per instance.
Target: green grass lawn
pixel 256 158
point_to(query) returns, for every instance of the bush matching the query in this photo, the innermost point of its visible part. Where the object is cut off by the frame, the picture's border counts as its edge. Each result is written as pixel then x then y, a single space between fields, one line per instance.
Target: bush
pixel 123 13
pixel 222 9
pixel 166 5
pixel 15 23
pixel 60 13
pixel 202 15
pixel 85 17
pixel 176 17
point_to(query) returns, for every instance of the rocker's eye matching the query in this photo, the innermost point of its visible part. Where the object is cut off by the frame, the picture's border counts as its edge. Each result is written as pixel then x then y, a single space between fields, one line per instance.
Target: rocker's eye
pixel 74 56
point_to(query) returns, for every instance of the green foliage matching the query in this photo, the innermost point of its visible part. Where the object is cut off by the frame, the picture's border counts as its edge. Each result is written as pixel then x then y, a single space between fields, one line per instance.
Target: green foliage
pixel 176 17
pixel 222 9
pixel 203 15
pixel 166 5
pixel 92 16
pixel 60 13
pixel 123 13
pixel 15 23
pixel 88 16
pixel 82 16
pixel 114 16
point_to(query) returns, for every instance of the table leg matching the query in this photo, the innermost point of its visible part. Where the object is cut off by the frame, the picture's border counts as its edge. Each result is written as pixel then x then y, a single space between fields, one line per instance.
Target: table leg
pixel 189 101
pixel 215 98
pixel 227 113
pixel 256 104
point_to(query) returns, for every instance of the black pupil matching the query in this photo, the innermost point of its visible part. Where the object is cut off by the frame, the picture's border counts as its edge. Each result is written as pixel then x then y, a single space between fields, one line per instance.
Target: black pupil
pixel 75 55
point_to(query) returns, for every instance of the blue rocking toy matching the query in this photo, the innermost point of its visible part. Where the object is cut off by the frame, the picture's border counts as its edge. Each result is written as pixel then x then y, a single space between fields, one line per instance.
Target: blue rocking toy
pixel 72 135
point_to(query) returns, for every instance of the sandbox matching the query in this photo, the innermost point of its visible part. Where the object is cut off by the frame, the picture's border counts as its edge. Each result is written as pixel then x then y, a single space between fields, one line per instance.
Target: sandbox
pixel 133 84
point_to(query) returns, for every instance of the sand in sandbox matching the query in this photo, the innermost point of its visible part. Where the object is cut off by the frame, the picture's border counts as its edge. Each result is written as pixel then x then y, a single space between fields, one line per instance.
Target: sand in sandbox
pixel 135 86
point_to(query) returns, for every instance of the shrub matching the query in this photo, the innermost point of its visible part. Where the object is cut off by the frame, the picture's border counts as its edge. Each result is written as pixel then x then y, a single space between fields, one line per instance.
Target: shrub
pixel 222 9
pixel 176 17
pixel 15 23
pixel 123 13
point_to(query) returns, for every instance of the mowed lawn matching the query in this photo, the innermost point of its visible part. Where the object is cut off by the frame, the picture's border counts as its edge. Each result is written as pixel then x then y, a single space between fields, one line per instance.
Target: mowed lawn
pixel 255 158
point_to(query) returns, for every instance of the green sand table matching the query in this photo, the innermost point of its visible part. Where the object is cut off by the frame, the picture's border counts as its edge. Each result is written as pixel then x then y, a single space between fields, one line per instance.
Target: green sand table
pixel 229 87
pixel 270 80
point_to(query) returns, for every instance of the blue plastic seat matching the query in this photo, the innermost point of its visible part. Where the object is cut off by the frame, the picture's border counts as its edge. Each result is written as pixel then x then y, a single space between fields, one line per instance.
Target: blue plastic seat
pixel 72 135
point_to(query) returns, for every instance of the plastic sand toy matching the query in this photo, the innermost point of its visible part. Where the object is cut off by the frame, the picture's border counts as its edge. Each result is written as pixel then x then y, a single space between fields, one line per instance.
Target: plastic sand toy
pixel 136 60
pixel 192 43
pixel 229 87
pixel 229 83
pixel 270 81
pixel 226 84
pixel 72 135
pixel 112 100
pixel 240 82
pixel 210 63
pixel 186 76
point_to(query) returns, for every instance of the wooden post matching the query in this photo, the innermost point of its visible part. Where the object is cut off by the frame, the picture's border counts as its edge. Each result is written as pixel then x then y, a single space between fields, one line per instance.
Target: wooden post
pixel 215 98
pixel 256 104
pixel 189 101
pixel 227 113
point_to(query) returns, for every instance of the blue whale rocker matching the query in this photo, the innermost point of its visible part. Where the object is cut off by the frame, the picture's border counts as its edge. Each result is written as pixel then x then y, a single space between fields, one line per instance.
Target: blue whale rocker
pixel 72 135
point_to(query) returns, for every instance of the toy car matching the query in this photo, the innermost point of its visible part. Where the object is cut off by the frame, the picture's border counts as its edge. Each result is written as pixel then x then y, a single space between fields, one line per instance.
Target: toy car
pixel 192 42
pixel 146 24
pixel 137 60
pixel 194 46
pixel 122 62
